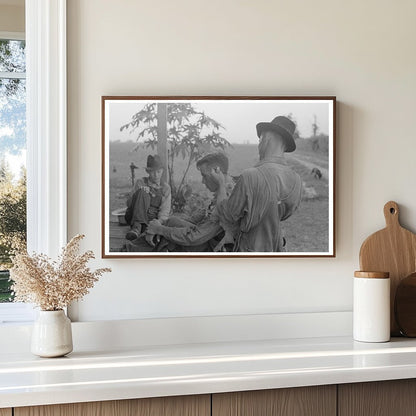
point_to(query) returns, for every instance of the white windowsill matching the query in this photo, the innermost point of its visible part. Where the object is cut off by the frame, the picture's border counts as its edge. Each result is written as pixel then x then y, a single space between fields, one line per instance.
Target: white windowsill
pixel 16 313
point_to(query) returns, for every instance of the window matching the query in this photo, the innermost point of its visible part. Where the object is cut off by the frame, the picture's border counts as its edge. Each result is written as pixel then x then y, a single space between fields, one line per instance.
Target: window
pixel 12 153
pixel 46 135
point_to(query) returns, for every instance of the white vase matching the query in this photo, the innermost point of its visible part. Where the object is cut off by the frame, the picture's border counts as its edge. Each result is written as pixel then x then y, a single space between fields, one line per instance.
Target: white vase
pixel 52 334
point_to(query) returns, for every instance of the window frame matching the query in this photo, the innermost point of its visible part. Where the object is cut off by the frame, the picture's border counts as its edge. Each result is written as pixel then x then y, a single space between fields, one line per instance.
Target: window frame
pixel 46 121
pixel 46 125
pixel 12 35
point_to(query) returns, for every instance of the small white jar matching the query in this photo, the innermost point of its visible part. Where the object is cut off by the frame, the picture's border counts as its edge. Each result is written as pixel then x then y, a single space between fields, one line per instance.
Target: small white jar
pixel 371 309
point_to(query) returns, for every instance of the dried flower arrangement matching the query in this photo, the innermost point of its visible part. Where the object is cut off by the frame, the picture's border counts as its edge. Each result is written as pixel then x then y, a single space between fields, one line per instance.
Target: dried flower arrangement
pixel 52 285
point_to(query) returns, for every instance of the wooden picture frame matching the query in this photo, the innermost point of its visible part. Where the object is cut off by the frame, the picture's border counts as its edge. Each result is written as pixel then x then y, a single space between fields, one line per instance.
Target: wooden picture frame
pixel 276 199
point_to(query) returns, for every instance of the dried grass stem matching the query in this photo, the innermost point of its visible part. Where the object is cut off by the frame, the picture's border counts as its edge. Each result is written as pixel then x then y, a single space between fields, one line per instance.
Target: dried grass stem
pixel 53 285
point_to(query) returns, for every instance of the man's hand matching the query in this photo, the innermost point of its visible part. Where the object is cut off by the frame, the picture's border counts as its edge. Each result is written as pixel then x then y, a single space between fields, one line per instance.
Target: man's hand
pixel 145 189
pixel 227 239
pixel 154 227
pixel 218 176
pixel 150 238
pixel 153 231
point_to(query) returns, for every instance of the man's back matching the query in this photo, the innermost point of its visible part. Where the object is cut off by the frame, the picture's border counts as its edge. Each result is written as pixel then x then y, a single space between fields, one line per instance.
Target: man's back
pixel 264 196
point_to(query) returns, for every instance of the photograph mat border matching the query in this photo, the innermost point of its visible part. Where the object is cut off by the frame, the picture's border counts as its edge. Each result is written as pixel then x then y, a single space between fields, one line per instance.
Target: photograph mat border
pixel 331 177
pixel 105 215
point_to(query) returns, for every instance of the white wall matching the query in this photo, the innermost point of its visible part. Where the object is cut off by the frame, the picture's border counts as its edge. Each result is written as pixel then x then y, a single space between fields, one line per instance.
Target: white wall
pixel 361 51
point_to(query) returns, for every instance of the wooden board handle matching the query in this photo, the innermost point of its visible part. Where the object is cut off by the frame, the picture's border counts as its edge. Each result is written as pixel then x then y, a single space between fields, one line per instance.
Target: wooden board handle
pixel 391 214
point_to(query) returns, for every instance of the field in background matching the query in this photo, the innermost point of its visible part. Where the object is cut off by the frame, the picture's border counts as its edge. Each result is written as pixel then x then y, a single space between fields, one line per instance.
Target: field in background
pixel 306 230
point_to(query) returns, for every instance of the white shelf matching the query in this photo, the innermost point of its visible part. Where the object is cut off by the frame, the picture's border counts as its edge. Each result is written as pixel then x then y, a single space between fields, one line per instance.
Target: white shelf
pixel 168 370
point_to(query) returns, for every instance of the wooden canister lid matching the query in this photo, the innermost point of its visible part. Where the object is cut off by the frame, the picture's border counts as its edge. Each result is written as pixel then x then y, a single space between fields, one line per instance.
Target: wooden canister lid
pixel 372 275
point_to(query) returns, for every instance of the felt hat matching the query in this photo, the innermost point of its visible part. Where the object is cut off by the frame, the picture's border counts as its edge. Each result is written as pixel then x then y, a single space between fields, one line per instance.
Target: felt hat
pixel 284 127
pixel 154 163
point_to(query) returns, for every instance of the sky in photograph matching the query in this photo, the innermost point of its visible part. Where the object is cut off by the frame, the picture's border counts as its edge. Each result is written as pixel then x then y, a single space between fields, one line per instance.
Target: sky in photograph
pixel 239 118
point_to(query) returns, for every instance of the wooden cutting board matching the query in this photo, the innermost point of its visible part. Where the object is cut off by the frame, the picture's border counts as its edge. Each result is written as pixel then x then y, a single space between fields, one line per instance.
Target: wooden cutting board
pixel 393 250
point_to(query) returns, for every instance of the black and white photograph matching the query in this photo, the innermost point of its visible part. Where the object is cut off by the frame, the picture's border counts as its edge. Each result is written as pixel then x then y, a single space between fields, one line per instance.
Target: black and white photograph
pixel 218 176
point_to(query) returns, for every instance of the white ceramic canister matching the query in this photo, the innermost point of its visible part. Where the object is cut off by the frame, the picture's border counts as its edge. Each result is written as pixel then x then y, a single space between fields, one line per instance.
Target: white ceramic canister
pixel 371 309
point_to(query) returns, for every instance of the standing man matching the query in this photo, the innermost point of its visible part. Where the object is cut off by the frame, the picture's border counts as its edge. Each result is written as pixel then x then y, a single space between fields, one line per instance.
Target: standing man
pixel 264 195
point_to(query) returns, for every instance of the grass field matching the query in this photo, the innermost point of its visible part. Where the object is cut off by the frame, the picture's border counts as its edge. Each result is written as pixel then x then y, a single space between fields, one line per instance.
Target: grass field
pixel 306 230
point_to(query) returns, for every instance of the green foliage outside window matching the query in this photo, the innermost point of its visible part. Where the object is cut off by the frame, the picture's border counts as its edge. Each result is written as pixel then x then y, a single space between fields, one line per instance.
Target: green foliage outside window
pixel 12 144
pixel 12 224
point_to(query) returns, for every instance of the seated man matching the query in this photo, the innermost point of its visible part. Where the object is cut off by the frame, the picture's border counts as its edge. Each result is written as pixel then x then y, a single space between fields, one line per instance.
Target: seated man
pixel 205 236
pixel 149 199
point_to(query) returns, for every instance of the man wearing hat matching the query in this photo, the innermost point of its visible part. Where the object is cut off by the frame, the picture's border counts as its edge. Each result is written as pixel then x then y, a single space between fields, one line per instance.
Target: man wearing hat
pixel 266 194
pixel 149 199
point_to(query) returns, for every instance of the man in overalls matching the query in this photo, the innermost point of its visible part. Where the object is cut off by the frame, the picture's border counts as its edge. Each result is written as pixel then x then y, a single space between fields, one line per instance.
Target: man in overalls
pixel 149 199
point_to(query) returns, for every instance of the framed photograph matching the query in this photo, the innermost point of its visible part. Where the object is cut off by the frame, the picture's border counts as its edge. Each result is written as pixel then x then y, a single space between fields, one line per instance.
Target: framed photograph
pixel 218 177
